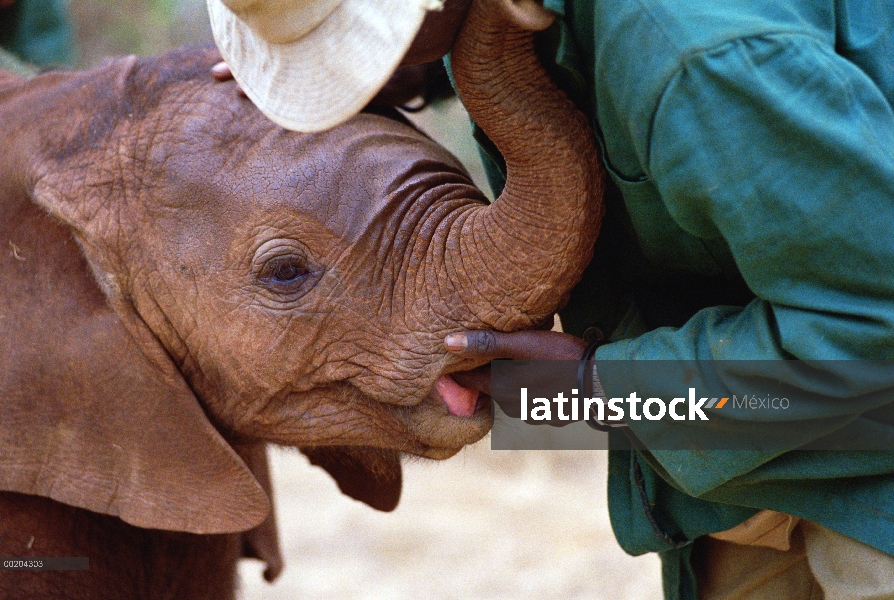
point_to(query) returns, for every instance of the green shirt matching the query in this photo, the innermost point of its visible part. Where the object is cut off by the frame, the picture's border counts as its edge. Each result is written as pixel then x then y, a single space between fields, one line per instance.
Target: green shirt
pixel 751 143
pixel 37 31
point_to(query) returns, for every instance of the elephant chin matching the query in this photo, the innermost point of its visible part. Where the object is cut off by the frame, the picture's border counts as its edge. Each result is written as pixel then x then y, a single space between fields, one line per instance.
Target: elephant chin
pixel 448 419
pixel 439 453
pixel 429 428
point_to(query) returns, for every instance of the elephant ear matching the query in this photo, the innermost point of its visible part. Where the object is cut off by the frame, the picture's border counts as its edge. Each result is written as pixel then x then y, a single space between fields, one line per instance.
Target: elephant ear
pixel 262 542
pixel 94 412
pixel 370 475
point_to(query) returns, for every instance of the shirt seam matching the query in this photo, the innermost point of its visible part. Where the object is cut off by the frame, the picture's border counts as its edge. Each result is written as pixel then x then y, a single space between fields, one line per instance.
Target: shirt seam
pixel 687 58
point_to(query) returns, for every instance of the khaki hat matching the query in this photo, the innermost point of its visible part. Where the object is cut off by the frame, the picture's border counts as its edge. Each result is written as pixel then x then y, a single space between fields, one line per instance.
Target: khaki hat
pixel 312 64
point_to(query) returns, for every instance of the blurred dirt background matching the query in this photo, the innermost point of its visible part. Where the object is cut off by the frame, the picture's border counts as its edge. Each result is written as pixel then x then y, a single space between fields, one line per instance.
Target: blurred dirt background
pixel 485 524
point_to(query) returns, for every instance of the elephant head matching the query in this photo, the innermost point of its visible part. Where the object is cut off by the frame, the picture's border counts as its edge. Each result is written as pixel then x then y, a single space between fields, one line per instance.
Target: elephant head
pixel 181 277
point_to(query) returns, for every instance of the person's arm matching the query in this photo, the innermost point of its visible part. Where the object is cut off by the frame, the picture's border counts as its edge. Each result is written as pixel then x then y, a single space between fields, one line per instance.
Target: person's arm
pixel 783 149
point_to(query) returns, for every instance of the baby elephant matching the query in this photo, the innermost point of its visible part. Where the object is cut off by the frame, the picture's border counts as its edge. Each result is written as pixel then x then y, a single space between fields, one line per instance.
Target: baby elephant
pixel 182 281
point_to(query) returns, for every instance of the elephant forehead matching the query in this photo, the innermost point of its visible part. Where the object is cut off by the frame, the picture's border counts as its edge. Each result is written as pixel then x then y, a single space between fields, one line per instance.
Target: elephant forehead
pixel 348 178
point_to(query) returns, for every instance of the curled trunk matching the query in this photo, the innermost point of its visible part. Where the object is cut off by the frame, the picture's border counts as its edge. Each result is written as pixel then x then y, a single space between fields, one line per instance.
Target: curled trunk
pixel 524 253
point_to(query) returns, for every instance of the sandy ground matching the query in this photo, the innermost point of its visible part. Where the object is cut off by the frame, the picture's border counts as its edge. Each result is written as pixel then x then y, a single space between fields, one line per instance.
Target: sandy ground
pixel 485 524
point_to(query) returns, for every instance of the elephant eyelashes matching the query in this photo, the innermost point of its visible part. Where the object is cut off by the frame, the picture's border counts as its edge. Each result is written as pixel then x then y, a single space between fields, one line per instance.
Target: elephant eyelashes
pixel 286 272
pixel 287 277
pixel 282 269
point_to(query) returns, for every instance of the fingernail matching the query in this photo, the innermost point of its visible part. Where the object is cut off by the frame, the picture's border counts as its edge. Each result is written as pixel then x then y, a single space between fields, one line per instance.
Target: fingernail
pixel 456 341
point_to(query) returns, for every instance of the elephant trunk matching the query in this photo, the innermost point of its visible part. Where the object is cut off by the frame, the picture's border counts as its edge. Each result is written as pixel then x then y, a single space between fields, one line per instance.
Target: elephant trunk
pixel 522 255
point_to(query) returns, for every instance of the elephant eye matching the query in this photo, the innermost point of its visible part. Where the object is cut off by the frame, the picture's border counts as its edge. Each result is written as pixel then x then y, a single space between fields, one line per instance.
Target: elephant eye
pixel 285 273
pixel 282 273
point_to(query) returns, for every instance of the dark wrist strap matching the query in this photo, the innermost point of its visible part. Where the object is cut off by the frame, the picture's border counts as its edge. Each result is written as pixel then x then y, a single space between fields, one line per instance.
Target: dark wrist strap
pixel 585 384
pixel 585 368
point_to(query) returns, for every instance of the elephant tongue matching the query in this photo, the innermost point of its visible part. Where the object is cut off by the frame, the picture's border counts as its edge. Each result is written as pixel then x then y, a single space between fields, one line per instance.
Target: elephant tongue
pixel 460 401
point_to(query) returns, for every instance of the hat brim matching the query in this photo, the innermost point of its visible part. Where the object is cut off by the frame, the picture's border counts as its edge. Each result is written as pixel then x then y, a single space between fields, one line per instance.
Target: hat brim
pixel 329 74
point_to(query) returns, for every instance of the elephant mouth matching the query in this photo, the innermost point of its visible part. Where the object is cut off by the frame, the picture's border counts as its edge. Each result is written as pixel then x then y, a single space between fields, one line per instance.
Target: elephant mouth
pixel 451 416
pixel 461 401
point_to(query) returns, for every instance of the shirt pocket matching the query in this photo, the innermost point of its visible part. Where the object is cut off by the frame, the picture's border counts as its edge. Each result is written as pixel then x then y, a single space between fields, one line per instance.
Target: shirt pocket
pixel 661 239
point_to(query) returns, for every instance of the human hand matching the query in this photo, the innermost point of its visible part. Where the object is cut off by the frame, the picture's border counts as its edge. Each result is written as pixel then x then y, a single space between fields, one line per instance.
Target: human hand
pixel 532 345
pixel 486 345
pixel 221 72
pixel 517 345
